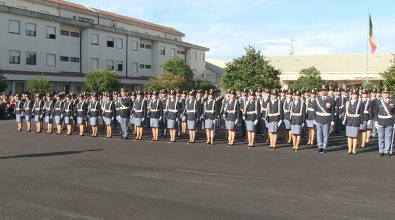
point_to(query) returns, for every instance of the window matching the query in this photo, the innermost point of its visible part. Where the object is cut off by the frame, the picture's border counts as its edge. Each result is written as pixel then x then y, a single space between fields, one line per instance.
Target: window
pixel 30 29
pixel 65 59
pixel 173 52
pixel 162 50
pixel 85 19
pixel 14 27
pixel 194 73
pixel 94 63
pixel 30 58
pixel 119 43
pixel 51 60
pixel 147 46
pixel 64 33
pixel 110 42
pixel 113 24
pixel 142 45
pixel 15 56
pixel 193 55
pixel 180 52
pixel 94 39
pixel 110 64
pixel 142 66
pixel 74 34
pixel 51 32
pixel 202 57
pixel 134 67
pixel 148 67
pixel 202 73
pixel 135 45
pixel 119 66
pixel 74 59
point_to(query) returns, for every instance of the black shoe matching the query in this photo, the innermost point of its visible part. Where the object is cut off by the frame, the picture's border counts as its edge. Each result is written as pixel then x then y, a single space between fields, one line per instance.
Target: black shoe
pixel 381 155
pixel 319 150
pixel 324 151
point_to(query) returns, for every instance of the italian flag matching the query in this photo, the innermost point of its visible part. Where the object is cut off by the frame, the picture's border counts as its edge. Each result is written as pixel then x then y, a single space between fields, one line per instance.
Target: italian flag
pixel 372 42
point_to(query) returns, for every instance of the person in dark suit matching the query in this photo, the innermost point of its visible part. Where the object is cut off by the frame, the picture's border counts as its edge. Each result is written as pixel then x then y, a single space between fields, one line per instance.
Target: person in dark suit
pixel 324 107
pixel 231 116
pixel 353 119
pixel 274 117
pixel 297 118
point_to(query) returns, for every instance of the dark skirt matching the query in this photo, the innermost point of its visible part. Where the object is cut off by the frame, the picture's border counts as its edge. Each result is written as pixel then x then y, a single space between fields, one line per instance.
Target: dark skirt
pixel 272 127
pixel 352 131
pixel 296 129
pixel 154 122
pixel 229 125
pixel 250 126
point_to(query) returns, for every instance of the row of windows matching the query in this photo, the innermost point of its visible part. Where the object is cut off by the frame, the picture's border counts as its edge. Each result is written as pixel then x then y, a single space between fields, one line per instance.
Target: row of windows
pixel 118 66
pixel 31 58
pixel 14 27
pixel 201 57
pixel 196 75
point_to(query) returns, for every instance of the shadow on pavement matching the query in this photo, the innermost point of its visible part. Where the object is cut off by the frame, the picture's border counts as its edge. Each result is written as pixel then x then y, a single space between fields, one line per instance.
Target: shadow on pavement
pixel 49 154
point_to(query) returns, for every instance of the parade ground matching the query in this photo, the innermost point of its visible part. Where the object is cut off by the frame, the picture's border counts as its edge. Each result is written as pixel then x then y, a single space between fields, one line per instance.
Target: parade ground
pixel 70 177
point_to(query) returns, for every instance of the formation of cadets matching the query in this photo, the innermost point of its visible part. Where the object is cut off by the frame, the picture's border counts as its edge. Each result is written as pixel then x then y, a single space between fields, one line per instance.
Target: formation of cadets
pixel 287 115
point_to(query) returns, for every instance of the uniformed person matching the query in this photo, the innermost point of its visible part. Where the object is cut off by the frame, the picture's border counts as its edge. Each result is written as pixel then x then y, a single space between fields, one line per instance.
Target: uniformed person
pixel 324 108
pixel 264 102
pixel 242 100
pixel 384 112
pixel 163 123
pixel 155 112
pixel 48 111
pixel 68 113
pixel 183 100
pixel 18 109
pixel 38 112
pixel 81 113
pixel 310 117
pixel 108 113
pixel 353 119
pixel 27 111
pixel 139 112
pixel 231 116
pixel 250 116
pixel 366 125
pixel 58 113
pixel 210 115
pixel 172 113
pixel 297 118
pixel 125 108
pixel 274 117
pixel 192 113
pixel 94 114
pixel 286 115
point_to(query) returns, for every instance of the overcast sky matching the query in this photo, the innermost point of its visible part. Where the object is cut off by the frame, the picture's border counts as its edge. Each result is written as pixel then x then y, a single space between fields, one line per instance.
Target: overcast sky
pixel 227 26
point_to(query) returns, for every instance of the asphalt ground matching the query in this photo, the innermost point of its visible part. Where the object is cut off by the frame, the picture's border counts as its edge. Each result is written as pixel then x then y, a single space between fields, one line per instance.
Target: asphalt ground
pixel 70 177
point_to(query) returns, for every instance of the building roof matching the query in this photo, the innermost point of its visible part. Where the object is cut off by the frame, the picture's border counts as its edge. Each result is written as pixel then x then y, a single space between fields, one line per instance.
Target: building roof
pixel 134 21
pixel 331 66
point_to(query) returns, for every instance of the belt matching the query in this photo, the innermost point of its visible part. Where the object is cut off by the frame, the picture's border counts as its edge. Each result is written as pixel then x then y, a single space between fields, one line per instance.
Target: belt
pixel 251 112
pixel 107 110
pixel 231 111
pixel 191 111
pixel 296 114
pixel 138 110
pixel 79 110
pixel 123 108
pixel 154 110
pixel 94 110
pixel 384 117
pixel 37 109
pixel 310 109
pixel 27 108
pixel 323 114
pixel 174 111
pixel 353 115
pixel 274 114
pixel 67 110
pixel 57 109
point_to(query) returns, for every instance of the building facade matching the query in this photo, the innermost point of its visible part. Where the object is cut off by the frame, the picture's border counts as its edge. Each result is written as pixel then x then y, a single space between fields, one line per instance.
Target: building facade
pixel 64 41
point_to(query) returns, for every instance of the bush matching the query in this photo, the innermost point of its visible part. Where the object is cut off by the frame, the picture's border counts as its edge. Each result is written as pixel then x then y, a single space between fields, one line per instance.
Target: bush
pixel 102 80
pixel 39 85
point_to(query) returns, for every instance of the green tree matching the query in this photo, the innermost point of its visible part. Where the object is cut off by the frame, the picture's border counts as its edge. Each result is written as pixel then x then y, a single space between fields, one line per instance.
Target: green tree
pixel 39 85
pixel 204 85
pixel 3 83
pixel 177 66
pixel 389 76
pixel 368 85
pixel 309 78
pixel 251 71
pixel 166 81
pixel 102 80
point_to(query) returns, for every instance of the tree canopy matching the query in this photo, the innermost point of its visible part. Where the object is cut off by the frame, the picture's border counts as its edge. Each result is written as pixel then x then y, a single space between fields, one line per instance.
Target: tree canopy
pixel 251 71
pixel 166 81
pixel 389 77
pixel 39 85
pixel 102 80
pixel 309 78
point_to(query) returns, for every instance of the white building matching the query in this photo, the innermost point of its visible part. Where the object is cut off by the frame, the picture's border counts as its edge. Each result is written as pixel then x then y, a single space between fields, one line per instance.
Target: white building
pixel 341 70
pixel 64 41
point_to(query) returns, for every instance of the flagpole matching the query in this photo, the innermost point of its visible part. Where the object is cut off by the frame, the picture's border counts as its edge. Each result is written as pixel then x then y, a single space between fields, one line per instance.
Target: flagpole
pixel 367 52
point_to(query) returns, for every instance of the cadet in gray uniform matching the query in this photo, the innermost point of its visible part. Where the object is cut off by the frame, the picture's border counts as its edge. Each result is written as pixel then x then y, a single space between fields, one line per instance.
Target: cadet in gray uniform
pixel 192 113
pixel 108 113
pixel 155 112
pixel 250 116
pixel 125 107
pixel 38 112
pixel 274 117
pixel 231 116
pixel 210 114
pixel 48 112
pixel 297 118
pixel 27 112
pixel 139 112
pixel 81 110
pixel 324 108
pixel 172 112
pixel 384 112
pixel 352 120
pixel 310 117
pixel 18 111
pixel 286 115
pixel 68 114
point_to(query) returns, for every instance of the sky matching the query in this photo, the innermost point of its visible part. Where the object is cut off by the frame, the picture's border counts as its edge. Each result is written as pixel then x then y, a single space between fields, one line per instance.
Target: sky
pixel 228 26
